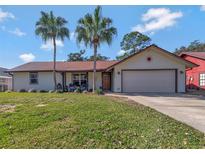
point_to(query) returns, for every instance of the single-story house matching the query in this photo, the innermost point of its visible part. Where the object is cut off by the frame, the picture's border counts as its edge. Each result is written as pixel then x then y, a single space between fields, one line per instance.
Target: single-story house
pixel 5 80
pixel 195 76
pixel 152 69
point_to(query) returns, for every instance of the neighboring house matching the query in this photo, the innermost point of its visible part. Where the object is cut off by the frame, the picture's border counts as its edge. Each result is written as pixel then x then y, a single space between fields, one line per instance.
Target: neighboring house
pixel 5 80
pixel 150 70
pixel 195 77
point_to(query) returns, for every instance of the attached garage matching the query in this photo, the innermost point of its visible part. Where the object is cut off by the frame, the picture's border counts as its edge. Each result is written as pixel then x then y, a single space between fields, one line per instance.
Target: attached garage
pixel 149 81
pixel 152 69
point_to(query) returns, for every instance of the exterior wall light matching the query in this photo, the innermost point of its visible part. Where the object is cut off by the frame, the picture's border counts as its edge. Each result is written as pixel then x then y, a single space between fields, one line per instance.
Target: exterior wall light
pixel 181 72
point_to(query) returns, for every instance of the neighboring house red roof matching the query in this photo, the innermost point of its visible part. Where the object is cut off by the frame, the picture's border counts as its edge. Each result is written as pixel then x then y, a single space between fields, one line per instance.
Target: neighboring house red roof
pixel 200 55
pixel 62 66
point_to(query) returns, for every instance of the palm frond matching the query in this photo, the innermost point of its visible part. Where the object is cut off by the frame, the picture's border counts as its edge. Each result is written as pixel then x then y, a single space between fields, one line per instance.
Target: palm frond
pixel 95 29
pixel 62 33
pixel 108 34
pixel 49 27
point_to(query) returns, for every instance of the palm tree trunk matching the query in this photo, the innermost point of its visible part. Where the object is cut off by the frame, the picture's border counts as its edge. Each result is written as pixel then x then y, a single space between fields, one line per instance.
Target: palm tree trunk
pixel 94 67
pixel 54 63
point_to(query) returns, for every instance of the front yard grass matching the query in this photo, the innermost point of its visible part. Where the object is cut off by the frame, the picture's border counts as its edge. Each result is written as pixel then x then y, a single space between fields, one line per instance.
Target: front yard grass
pixel 36 120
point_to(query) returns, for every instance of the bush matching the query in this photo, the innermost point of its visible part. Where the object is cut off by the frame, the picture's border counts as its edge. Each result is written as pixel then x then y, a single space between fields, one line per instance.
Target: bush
pixel 22 90
pixel 8 91
pixel 59 91
pixel 99 91
pixel 43 91
pixel 32 91
pixel 77 90
pixel 51 91
pixel 85 91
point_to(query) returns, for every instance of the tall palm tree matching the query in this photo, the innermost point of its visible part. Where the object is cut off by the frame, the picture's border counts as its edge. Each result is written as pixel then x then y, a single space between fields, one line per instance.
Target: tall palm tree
pixel 93 30
pixel 51 28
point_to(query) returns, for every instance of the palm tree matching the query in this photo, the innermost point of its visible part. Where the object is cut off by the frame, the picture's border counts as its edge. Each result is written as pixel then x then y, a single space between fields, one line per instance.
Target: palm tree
pixel 93 30
pixel 51 28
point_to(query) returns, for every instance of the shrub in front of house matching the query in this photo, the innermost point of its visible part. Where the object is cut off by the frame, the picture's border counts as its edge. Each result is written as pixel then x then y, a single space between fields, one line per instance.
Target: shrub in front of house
pixel 77 90
pixel 8 91
pixel 99 91
pixel 32 90
pixel 43 91
pixel 85 91
pixel 59 91
pixel 51 91
pixel 22 90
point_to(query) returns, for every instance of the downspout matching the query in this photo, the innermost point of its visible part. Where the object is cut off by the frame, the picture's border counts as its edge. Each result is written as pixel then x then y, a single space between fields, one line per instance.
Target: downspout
pixel 63 80
pixel 12 84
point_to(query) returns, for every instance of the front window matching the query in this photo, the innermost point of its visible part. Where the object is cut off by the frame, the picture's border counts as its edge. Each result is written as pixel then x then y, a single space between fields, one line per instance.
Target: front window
pixel 79 79
pixel 3 80
pixel 3 88
pixel 83 79
pixel 33 78
pixel 202 79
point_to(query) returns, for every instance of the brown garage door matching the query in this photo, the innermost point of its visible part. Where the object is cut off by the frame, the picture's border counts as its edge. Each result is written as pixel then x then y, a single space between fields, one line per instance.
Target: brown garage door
pixel 148 81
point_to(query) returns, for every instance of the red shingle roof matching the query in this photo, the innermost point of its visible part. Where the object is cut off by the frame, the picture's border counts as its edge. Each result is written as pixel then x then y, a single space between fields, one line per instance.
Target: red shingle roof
pixel 63 66
pixel 200 55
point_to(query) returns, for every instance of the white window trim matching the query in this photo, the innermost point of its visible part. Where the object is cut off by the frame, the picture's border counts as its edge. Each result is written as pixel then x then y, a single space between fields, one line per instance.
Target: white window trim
pixel 202 79
pixel 79 77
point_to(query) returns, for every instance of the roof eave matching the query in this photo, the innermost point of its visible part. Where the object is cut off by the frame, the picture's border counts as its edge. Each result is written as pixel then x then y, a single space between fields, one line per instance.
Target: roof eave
pixel 77 70
pixel 191 56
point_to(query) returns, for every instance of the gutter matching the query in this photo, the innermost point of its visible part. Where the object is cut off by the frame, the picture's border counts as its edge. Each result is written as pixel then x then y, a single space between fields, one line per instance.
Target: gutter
pixel 90 70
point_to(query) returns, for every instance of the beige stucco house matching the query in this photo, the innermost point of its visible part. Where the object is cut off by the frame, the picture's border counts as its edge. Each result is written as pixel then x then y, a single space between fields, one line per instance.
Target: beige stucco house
pixel 152 69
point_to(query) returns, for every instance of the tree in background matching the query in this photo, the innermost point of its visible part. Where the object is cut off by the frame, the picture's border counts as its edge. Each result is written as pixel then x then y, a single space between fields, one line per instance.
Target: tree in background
pixel 132 43
pixel 93 30
pixel 76 56
pixel 194 46
pixel 120 57
pixel 98 57
pixel 51 28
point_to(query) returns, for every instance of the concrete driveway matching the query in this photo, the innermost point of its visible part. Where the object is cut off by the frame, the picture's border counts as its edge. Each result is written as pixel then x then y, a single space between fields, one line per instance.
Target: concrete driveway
pixel 189 109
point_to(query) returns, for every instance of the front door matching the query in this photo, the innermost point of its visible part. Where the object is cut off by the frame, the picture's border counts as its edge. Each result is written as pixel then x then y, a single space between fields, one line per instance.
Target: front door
pixel 106 79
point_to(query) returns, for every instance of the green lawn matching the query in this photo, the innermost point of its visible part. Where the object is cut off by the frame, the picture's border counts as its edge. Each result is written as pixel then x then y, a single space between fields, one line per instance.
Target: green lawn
pixel 43 120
